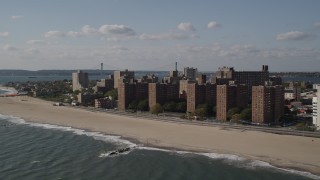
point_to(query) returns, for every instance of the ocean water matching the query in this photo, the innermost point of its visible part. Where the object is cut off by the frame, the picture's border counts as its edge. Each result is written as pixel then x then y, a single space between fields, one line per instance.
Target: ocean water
pixel 42 151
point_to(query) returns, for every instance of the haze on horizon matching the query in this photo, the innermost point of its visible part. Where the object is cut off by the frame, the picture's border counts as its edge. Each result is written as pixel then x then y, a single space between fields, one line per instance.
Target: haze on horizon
pixel 148 34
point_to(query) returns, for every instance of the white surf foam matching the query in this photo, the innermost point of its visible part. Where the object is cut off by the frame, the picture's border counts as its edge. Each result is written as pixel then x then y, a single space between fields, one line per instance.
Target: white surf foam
pixel 96 135
pixel 8 91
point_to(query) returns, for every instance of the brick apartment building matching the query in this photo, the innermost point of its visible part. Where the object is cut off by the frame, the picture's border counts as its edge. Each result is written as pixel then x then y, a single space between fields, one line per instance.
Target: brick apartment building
pixel 267 103
pixel 230 96
pixel 162 93
pixel 128 92
pixel 200 94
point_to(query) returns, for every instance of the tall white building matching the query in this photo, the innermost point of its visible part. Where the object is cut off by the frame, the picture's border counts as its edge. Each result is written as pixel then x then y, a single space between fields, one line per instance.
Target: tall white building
pixel 80 80
pixel 316 108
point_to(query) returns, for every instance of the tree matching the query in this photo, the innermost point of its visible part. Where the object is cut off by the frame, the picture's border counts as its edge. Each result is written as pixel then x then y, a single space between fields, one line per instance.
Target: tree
pixel 143 105
pixel 113 93
pixel 236 117
pixel 156 109
pixel 181 107
pixel 232 111
pixel 207 107
pixel 201 112
pixel 246 114
pixel 170 106
pixel 133 105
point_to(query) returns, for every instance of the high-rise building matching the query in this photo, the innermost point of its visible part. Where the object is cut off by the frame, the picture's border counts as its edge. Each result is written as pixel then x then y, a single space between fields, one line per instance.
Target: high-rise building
pixel 123 77
pixel 183 85
pixel 190 73
pixel 80 80
pixel 201 79
pixel 250 78
pixel 200 94
pixel 316 108
pixel 230 96
pixel 104 85
pixel 267 103
pixel 162 93
pixel 128 92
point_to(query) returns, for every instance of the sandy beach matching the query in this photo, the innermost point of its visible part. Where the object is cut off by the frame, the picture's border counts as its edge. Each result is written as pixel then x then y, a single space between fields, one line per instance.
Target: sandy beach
pixel 280 150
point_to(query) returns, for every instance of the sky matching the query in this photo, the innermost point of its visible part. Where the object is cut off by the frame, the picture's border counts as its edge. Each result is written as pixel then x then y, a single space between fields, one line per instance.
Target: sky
pixel 152 34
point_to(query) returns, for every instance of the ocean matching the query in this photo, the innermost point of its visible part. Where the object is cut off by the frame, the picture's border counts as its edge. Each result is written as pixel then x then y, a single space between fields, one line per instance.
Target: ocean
pixel 32 151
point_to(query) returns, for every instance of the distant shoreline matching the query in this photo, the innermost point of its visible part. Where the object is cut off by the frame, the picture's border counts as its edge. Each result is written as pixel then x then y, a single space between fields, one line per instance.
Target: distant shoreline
pixel 301 153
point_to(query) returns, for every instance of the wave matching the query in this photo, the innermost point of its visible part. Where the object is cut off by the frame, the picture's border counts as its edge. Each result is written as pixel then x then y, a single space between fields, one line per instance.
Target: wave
pixel 7 91
pixel 238 161
pixel 227 158
pixel 96 135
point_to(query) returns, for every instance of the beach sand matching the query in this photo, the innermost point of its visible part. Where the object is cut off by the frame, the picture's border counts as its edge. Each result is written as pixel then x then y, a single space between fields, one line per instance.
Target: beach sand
pixel 302 153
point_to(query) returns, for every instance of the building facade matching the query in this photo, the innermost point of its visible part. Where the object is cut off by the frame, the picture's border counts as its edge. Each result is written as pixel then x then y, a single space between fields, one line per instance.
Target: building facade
pixel 104 85
pixel 267 104
pixel 107 103
pixel 200 94
pixel 128 92
pixel 292 93
pixel 123 77
pixel 250 78
pixel 80 80
pixel 316 108
pixel 162 93
pixel 190 73
pixel 230 96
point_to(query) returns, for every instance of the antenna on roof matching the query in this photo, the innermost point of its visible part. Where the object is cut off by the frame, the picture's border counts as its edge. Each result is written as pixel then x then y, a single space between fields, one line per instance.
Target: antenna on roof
pixel 101 70
pixel 176 66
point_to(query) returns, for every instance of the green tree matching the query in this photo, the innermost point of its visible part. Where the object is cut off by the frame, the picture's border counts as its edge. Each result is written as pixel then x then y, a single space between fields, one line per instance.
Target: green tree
pixel 201 112
pixel 156 109
pixel 76 92
pixel 207 107
pixel 170 106
pixel 232 111
pixel 133 105
pixel 181 107
pixel 236 117
pixel 246 114
pixel 143 105
pixel 113 93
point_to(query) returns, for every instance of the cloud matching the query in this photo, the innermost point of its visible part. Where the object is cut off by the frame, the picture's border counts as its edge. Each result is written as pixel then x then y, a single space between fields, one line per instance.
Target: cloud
pixel 293 35
pixel 4 34
pixel 316 24
pixel 213 25
pixel 86 30
pixel 107 32
pixel 10 48
pixel 186 27
pixel 54 34
pixel 32 51
pixel 167 36
pixel 16 17
pixel 36 42
pixel 119 30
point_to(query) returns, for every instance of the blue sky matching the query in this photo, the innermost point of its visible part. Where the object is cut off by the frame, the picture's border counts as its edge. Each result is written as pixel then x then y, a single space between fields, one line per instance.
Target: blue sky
pixel 151 35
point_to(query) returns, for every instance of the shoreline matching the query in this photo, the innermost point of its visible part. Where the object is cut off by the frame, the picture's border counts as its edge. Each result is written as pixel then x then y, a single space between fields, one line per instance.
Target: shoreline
pixel 281 151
